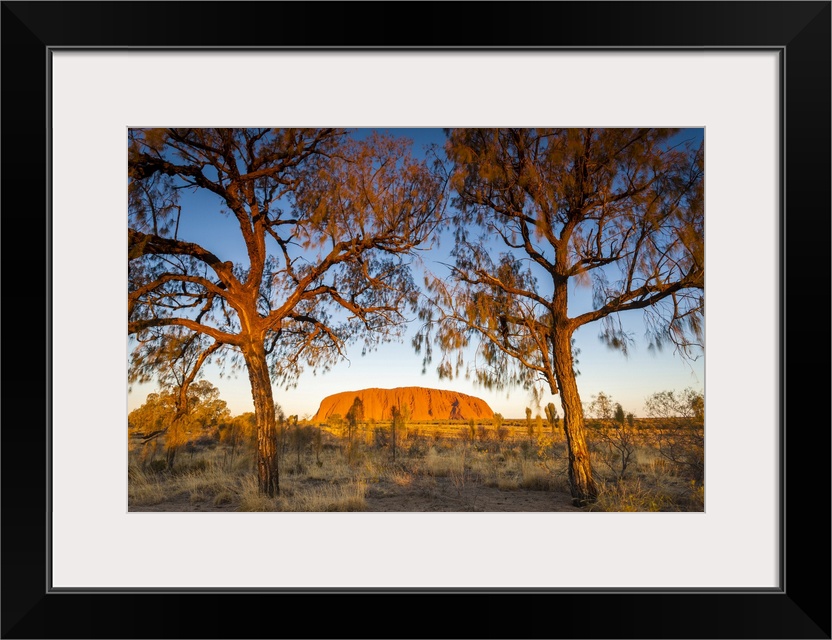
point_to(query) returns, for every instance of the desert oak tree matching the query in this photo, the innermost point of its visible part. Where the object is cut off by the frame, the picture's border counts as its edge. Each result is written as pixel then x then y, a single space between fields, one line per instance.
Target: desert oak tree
pixel 539 211
pixel 325 225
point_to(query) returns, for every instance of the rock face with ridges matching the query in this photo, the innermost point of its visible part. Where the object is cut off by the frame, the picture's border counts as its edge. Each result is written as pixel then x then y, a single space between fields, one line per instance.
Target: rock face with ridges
pixel 425 404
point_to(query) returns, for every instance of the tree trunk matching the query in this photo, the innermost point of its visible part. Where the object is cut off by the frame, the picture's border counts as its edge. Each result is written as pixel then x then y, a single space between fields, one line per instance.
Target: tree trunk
pixel 581 483
pixel 173 438
pixel 170 456
pixel 261 393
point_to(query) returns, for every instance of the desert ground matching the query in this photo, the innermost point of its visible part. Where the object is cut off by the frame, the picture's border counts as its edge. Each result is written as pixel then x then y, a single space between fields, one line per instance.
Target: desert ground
pixel 439 495
pixel 433 467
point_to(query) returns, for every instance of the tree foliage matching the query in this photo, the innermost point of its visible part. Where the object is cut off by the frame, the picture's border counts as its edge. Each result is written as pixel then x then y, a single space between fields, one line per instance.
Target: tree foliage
pixel 620 210
pixel 619 415
pixel 601 407
pixel 240 429
pixel 324 220
pixel 161 415
pixel 552 416
pixel 354 417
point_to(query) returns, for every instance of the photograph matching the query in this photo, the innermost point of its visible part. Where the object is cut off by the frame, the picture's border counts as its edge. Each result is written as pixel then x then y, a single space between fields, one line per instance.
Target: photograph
pixel 462 319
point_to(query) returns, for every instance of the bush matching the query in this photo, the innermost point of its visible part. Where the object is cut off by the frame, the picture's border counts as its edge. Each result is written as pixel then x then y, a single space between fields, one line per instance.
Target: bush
pixel 381 437
pixel 157 466
pixel 417 447
pixel 679 430
pixel 615 446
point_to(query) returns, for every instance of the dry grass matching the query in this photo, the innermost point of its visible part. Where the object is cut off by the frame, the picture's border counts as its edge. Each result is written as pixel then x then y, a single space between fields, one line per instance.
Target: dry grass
pixel 252 500
pixel 631 495
pixel 433 465
pixel 208 482
pixel 224 497
pixel 338 497
pixel 442 463
pixel 145 488
pixel 400 477
pixel 534 476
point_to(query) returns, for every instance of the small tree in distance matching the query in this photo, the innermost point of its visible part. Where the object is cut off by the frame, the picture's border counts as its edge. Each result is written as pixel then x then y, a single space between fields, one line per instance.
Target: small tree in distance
pixel 399 417
pixel 601 406
pixel 552 416
pixel 335 421
pixel 163 415
pixel 355 416
pixel 499 429
pixel 619 415
pixel 616 445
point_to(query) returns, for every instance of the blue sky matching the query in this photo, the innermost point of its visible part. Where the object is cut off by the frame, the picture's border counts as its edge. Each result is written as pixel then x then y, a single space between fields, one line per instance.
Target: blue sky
pixel 628 380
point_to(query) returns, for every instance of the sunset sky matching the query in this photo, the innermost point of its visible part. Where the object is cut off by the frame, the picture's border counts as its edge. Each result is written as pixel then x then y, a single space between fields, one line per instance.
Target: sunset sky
pixel 628 380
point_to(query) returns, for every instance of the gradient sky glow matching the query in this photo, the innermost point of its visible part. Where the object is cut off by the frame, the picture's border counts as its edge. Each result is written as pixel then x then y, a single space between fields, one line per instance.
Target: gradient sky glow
pixel 628 380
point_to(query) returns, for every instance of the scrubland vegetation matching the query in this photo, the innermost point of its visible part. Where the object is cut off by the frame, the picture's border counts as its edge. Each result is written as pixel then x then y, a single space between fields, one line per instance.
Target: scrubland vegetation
pixel 642 464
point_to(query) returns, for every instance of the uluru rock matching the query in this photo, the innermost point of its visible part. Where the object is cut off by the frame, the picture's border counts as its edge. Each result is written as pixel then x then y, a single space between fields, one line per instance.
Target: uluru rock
pixel 425 404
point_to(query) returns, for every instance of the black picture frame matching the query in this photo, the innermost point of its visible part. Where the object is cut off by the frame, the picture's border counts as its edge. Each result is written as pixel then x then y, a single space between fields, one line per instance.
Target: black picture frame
pixel 800 608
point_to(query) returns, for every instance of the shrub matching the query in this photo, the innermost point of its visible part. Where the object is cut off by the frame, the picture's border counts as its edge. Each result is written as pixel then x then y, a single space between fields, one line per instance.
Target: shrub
pixel 534 476
pixel 678 432
pixel 157 466
pixel 615 447
pixel 145 488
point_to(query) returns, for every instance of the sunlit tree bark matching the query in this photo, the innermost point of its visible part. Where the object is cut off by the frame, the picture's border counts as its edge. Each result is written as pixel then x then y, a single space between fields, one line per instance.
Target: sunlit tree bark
pixel 325 224
pixel 543 210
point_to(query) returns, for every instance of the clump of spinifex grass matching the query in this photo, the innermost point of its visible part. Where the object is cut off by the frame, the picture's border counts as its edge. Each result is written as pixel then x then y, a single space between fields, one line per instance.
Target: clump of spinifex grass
pixel 145 488
pixel 209 483
pixel 491 468
pixel 328 497
pixel 198 476
pixel 534 476
pixel 441 463
pixel 631 495
pixel 252 500
pixel 399 477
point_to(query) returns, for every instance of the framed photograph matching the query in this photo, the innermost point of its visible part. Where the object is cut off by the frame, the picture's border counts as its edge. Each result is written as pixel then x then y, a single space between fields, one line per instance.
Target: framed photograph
pixel 751 78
